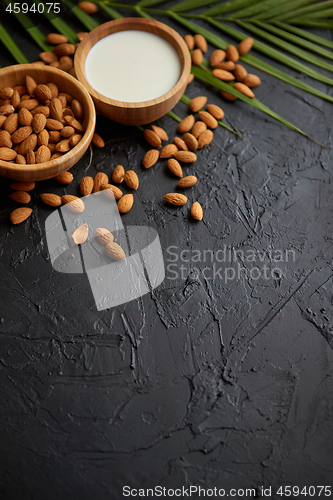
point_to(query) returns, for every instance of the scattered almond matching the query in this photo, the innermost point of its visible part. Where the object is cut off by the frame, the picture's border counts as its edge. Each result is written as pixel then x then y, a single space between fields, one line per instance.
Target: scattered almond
pixel 215 111
pixel 160 132
pixel 125 203
pixel 74 203
pixel 198 128
pixel 80 234
pixel 56 39
pixel 200 42
pixel 175 199
pixel 152 138
pixel 189 39
pixel 175 167
pixel 232 53
pixel 20 214
pixel 53 200
pixel 196 211
pixel 100 179
pixel 205 138
pixel 111 191
pixel 180 143
pixel 64 178
pixel 190 78
pixel 208 119
pixel 197 57
pixel 48 57
pixel 187 182
pixel 185 156
pixel 150 158
pixel 197 103
pixel 168 151
pixel 86 185
pixel 104 236
pixel 251 80
pixel 118 174
pixel 226 65
pixel 228 96
pixel 98 141
pixel 22 186
pixel 186 124
pixel 115 251
pixel 190 141
pixel 88 7
pixel 245 46
pixel 223 75
pixel 64 49
pixel 217 56
pixel 131 179
pixel 244 89
pixel 20 197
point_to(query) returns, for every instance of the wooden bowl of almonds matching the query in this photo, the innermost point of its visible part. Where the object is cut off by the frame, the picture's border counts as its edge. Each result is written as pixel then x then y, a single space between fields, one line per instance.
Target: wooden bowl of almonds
pixel 47 120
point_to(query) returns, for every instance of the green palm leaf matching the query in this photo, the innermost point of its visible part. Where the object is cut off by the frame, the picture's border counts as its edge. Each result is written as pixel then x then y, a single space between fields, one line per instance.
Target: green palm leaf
pixel 303 34
pixel 309 9
pixel 9 43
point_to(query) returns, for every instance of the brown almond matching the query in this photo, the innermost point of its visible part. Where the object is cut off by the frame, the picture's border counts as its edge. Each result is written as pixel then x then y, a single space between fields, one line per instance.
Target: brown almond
pixel 152 138
pixel 185 156
pixel 43 154
pixel 55 64
pixel 31 85
pixel 5 139
pixel 67 112
pixel 245 46
pixel 64 178
pixel 15 99
pixel 25 117
pixel 29 104
pixel 186 124
pixel 54 89
pixel 52 124
pixel 29 143
pixel 191 141
pixel 43 92
pixel 63 100
pixel 68 97
pixel 196 211
pixel 54 136
pixel 45 110
pixel 21 89
pixel 56 39
pixel 20 214
pixel 56 109
pixel 98 141
pixel 174 167
pixel 56 155
pixel 80 234
pixel 22 186
pixel 77 109
pixel 43 138
pixel 48 57
pixel 197 57
pixel 86 185
pixel 67 132
pixel 252 80
pixel 150 158
pixel 115 251
pixel 180 144
pixel 20 160
pixel 10 123
pixel 88 7
pixel 232 53
pixel 227 95
pixel 205 138
pixel 6 92
pixel 208 119
pixel 175 199
pixel 20 197
pixel 3 119
pixel 215 111
pixel 197 103
pixel 168 151
pixel 74 203
pixel 73 122
pixel 63 146
pixel 66 63
pixel 53 200
pixel 21 134
pixel 125 203
pixel 6 109
pixel 38 122
pixel 240 72
pixel 30 157
pixel 75 139
pixel 118 174
pixel 64 49
pixel 217 56
pixel 187 182
pixel 223 75
pixel 190 78
pixel 100 179
pixel 226 65
pixel 160 132
pixel 244 89
pixel 198 128
pixel 52 148
pixel 104 236
pixel 200 42
pixel 189 40
pixel 111 191
pixel 131 179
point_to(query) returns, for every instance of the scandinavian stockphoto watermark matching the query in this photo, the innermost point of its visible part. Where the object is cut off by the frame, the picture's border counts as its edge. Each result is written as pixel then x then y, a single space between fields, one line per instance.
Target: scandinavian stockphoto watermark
pixel 228 264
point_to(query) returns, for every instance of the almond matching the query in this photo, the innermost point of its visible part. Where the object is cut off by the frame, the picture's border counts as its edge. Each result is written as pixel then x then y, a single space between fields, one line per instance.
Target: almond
pixel 74 203
pixel 150 158
pixel 11 123
pixel 20 214
pixel 197 57
pixel 185 156
pixel 252 80
pixel 180 143
pixel 131 179
pixel 240 72
pixel 43 154
pixel 5 139
pixel 67 132
pixel 175 199
pixel 64 49
pixel 20 197
pixel 56 155
pixel 160 132
pixel 118 174
pixel 215 111
pixel 56 109
pixel 63 100
pixel 152 138
pixel 68 97
pixel 228 96
pixel 88 7
pixel 168 151
pixel 22 186
pixel 245 46
pixel 54 136
pixel 75 139
pixel 65 63
pixel 125 203
pixel 24 117
pixel 21 89
pixel 20 160
pixel 29 143
pixel 38 122
pixel 15 99
pixel 111 191
pixel 198 128
pixel 80 234
pixel 45 110
pixel 3 119
pixel 200 42
pixel 6 92
pixel 73 122
pixel 43 92
pixel 86 185
pixel 190 79
pixel 21 134
pixel 100 179
pixel 98 141
pixel 186 124
pixel 244 89
pixel 197 103
pixel 232 53
pixel 205 138
pixel 30 157
pixel 175 167
pixel 6 109
pixel 223 75
pixel 189 40
pixel 196 211
pixel 104 236
pixel 115 251
pixel 191 141
pixel 187 182
pixel 29 104
pixel 48 57
pixel 54 89
pixel 64 178
pixel 208 119
pixel 7 154
pixel 226 65
pixel 31 85
pixel 77 109
pixel 52 124
pixel 56 39
pixel 67 112
pixel 63 146
pixel 217 56
pixel 53 200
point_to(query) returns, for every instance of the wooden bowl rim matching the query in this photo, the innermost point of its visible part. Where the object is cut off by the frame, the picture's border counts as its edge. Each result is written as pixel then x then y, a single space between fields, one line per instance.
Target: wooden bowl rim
pixel 79 62
pixel 67 157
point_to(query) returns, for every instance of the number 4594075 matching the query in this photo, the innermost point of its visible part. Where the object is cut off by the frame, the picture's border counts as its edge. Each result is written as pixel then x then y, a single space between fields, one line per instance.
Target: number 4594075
pixel 40 8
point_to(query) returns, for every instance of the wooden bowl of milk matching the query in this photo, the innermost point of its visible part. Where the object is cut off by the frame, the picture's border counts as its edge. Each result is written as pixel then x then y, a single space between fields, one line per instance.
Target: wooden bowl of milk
pixel 135 69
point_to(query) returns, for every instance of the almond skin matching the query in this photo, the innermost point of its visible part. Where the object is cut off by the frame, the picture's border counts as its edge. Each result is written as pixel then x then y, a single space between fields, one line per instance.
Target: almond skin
pixel 74 203
pixel 197 57
pixel 196 211
pixel 174 167
pixel 56 39
pixel 160 132
pixel 100 179
pixel 198 128
pixel 197 103
pixel 53 200
pixel 131 179
pixel 6 92
pixel 185 156
pixel 54 89
pixel 98 141
pixel 73 122
pixel 6 109
pixel 232 53
pixel 244 89
pixel 64 178
pixel 24 117
pixel 11 123
pixel 189 40
pixel 21 134
pixel 104 236
pixel 180 144
pixel 7 154
pixel 56 108
pixel 5 139
pixel 86 185
pixel 43 154
pixel 31 85
pixel 20 160
pixel 111 191
pixel 45 110
pixel 188 181
pixel 75 139
pixel 191 141
pixel 115 251
pixel 186 124
pixel 30 157
pixel 152 138
pixel 200 42
pixel 175 199
pixel 20 197
pixel 48 57
pixel 15 99
pixel 38 122
pixel 80 234
pixel 22 186
pixel 215 111
pixel 150 158
pixel 245 46
pixel 77 109
pixel 43 92
pixel 208 119
pixel 67 132
pixel 63 146
pixel 223 75
pixel 118 174
pixel 88 7
pixel 29 104
pixel 64 49
pixel 252 80
pixel 205 138
pixel 168 151
pixel 217 56
pixel 226 65
pixel 20 214
pixel 3 119
pixel 240 72
pixel 52 124
pixel 125 203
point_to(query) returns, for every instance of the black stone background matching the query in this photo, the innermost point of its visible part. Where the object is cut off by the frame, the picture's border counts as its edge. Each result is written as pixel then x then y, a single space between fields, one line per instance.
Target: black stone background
pixel 201 382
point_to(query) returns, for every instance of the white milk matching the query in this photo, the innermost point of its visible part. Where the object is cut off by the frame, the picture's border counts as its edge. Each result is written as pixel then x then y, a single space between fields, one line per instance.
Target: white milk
pixel 132 66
